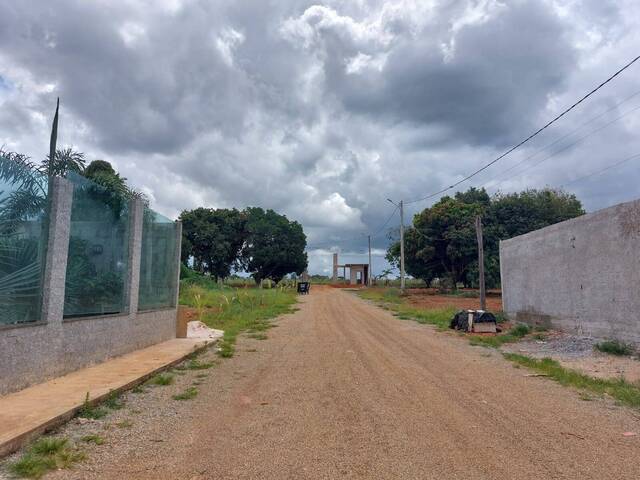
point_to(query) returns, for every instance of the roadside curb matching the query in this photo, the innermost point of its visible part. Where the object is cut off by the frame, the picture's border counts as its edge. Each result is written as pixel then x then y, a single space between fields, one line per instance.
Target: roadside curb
pixel 28 425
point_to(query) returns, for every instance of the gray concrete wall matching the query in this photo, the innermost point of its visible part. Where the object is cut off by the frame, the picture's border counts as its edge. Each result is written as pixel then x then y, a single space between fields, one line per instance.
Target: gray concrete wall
pixel 579 276
pixel 32 353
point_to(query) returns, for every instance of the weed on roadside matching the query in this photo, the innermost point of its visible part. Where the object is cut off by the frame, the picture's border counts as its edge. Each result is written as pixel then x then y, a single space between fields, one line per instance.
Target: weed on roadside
pixel 161 380
pixel 88 410
pixel 47 453
pixel 188 394
pixel 198 365
pixel 93 438
pixel 615 347
pixel 495 341
pixel 138 389
pixel 624 392
pixel 114 401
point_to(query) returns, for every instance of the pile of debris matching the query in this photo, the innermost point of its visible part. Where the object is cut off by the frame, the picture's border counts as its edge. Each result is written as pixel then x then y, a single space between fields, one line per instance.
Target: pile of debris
pixel 476 321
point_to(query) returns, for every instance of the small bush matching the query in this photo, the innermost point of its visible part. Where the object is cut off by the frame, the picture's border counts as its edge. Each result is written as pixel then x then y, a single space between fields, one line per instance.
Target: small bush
pixel 520 330
pixel 615 347
pixel 501 317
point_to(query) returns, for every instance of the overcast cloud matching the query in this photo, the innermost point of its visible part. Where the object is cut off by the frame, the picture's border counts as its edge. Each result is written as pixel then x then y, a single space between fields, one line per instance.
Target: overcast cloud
pixel 322 110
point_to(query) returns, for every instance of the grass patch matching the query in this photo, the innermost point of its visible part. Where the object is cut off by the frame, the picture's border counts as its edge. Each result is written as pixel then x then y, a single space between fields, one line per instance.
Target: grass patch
pixel 47 453
pixel 440 317
pixel 624 392
pixel 188 394
pixel 615 347
pixel 94 438
pixel 391 299
pixel 162 380
pixel 236 310
pixel 88 410
pixel 495 341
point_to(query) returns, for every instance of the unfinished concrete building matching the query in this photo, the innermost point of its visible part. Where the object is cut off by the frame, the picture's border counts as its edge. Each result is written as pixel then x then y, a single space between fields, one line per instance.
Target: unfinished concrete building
pixel 358 272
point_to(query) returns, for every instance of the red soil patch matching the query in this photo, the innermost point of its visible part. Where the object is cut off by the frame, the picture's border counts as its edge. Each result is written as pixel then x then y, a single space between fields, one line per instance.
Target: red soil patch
pixel 427 300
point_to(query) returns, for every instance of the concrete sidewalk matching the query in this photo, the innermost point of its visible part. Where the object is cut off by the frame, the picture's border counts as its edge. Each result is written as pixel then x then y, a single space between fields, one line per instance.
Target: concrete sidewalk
pixel 30 412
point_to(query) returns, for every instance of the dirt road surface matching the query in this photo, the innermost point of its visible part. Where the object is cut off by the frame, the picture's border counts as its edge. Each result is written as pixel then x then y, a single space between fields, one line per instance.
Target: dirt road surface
pixel 341 389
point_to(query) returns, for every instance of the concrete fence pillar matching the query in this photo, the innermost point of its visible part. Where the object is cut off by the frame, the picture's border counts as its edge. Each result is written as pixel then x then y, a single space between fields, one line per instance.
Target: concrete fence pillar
pixel 136 217
pixel 55 269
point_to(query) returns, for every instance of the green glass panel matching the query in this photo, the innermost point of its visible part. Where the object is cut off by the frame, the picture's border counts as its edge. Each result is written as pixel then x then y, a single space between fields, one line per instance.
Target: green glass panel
pixel 158 262
pixel 23 240
pixel 98 250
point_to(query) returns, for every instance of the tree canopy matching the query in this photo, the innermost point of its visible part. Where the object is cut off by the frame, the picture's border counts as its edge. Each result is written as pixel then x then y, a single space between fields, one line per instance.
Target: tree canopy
pixel 274 245
pixel 214 238
pixel 441 243
pixel 263 243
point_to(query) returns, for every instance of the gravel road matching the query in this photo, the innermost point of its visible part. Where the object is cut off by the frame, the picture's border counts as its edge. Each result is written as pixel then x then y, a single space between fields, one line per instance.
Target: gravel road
pixel 342 389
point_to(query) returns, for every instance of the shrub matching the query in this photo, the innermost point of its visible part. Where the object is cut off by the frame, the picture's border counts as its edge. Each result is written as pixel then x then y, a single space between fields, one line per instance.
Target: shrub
pixel 615 347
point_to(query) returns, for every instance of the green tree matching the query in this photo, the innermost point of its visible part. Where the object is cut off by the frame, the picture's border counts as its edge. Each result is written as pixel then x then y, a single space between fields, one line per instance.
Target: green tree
pixel 442 242
pixel 213 237
pixel 274 246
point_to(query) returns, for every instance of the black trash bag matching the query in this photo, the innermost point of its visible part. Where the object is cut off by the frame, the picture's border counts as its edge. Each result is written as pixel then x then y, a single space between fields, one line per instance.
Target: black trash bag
pixel 485 317
pixel 460 321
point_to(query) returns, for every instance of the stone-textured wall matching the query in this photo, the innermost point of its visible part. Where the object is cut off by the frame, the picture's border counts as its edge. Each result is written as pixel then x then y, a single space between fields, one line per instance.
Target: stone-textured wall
pixel 579 276
pixel 36 352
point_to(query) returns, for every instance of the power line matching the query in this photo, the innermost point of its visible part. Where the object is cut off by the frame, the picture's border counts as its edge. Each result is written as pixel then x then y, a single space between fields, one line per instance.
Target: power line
pixel 598 172
pixel 373 235
pixel 566 147
pixel 534 134
pixel 546 147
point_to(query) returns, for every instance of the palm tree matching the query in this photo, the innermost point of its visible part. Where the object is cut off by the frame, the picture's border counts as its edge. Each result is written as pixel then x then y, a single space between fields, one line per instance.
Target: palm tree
pixel 29 183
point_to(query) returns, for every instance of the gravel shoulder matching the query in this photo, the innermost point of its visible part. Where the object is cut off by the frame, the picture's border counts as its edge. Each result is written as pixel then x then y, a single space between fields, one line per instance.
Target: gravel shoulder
pixel 342 388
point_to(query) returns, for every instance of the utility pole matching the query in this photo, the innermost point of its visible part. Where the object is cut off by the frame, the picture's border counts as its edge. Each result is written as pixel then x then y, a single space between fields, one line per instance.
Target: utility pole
pixel 369 276
pixel 401 207
pixel 483 300
pixel 402 246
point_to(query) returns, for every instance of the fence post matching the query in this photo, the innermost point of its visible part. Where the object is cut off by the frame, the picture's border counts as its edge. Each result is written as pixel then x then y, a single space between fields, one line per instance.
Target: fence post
pixel 136 216
pixel 55 269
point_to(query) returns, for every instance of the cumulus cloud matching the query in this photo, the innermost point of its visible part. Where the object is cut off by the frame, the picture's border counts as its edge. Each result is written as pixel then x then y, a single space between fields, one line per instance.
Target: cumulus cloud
pixel 324 109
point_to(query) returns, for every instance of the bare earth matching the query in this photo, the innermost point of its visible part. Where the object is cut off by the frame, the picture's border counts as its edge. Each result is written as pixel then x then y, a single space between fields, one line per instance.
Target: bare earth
pixel 342 389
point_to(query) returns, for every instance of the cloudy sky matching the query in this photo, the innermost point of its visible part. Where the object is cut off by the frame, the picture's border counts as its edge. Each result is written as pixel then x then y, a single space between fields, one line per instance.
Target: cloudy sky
pixel 324 109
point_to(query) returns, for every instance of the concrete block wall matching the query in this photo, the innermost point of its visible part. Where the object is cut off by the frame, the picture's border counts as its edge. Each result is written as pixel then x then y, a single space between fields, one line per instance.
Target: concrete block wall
pixel 33 353
pixel 579 276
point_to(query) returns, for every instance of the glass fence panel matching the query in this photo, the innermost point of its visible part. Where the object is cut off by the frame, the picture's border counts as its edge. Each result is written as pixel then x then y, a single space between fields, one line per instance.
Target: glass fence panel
pixel 158 262
pixel 23 239
pixel 98 250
